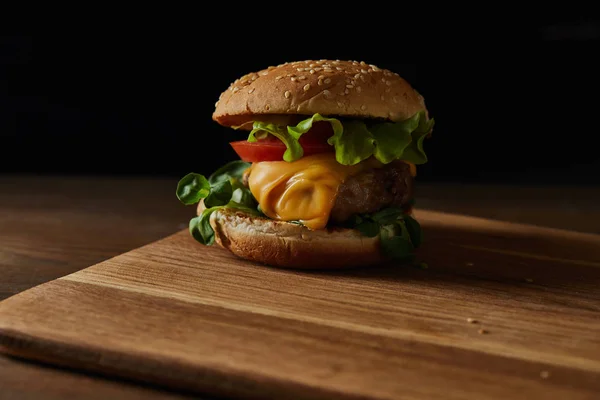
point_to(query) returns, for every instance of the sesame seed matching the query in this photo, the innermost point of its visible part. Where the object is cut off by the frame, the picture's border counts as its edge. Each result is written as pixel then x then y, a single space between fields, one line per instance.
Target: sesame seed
pixel 279 77
pixel 339 68
pixel 346 91
pixel 236 89
pixel 358 89
pixel 363 63
pixel 472 320
pixel 340 104
pixel 362 78
pixel 321 77
pixel 243 82
pixel 364 71
pixel 318 69
pixel 363 107
pixel 349 86
pixel 395 99
pixel 267 107
pixel 250 91
pixel 383 80
pixel 328 94
pixel 320 82
pixel 299 69
pixel 356 76
pixel 293 78
pixel 327 81
pixel 301 77
pixel 483 331
pixel 306 87
pixel 312 71
pixel 287 94
pixel 382 98
pixel 374 67
pixel 389 83
pixel 217 103
pixel 264 73
pixel 312 65
pixel 327 70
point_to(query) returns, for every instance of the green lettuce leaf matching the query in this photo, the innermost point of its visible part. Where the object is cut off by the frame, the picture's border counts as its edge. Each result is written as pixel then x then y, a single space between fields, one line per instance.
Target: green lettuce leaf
pixel 355 140
pixel 414 152
pixel 289 135
pixel 223 189
pixel 392 139
pixel 399 233
pixel 305 125
pixel 220 194
pixel 368 228
pixel 402 140
pixel 192 188
pixel 293 149
pixel 413 228
pixel 200 228
pixel 353 144
pixel 397 247
pixel 233 169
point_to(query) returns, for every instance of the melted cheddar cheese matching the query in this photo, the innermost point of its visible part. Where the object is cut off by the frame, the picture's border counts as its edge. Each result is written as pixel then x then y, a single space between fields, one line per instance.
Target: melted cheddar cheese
pixel 304 190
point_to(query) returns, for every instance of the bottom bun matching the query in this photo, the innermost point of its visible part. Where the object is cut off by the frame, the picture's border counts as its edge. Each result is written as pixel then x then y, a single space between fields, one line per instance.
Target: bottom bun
pixel 289 245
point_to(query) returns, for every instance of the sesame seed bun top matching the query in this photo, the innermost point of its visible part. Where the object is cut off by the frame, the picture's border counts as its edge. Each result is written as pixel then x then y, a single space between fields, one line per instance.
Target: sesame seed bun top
pixel 331 88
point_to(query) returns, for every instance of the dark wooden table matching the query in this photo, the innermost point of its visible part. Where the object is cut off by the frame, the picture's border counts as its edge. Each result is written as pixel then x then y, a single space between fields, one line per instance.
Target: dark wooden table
pixel 53 226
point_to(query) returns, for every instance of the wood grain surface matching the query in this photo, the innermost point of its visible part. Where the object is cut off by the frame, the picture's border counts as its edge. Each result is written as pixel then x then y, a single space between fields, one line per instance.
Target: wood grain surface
pixel 503 311
pixel 51 226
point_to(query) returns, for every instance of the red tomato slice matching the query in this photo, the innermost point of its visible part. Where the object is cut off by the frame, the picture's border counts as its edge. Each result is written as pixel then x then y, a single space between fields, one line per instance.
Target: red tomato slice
pixel 269 150
pixel 272 149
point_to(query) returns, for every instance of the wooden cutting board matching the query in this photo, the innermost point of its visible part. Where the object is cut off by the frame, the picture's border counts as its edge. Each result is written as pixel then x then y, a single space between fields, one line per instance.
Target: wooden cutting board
pixel 503 311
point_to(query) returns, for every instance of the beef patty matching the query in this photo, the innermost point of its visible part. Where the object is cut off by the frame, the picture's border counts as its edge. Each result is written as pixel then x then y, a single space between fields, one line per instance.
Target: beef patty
pixel 372 190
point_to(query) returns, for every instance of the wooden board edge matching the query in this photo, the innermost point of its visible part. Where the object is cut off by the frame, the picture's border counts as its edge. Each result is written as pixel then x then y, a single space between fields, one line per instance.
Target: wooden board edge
pixel 490 225
pixel 167 373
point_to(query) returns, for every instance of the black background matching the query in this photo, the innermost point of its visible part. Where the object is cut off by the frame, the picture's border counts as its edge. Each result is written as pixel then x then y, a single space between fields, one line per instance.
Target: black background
pixel 514 101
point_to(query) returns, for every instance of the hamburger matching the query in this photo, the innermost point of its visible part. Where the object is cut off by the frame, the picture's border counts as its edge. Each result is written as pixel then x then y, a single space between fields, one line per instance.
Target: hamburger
pixel 326 168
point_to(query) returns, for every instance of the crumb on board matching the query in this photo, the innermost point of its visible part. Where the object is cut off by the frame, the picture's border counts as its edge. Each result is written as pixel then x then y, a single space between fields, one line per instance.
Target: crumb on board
pixel 544 374
pixel 470 264
pixel 483 331
pixel 528 280
pixel 472 320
